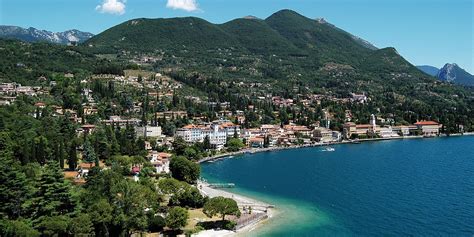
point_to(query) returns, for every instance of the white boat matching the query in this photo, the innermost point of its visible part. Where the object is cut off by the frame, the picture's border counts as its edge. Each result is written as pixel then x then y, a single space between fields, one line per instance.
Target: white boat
pixel 329 149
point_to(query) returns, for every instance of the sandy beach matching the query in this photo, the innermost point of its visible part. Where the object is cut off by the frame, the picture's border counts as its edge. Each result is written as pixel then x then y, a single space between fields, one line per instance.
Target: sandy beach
pixel 263 211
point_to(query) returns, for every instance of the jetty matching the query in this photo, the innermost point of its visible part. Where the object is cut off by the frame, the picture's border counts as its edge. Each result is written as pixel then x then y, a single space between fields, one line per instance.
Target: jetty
pixel 221 185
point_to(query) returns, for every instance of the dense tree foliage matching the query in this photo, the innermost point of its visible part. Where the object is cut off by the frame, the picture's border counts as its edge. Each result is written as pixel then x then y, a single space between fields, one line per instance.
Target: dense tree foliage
pixel 184 170
pixel 177 218
pixel 221 206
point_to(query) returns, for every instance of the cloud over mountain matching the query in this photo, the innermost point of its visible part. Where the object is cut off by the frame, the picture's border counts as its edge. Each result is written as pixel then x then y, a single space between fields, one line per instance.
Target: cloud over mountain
pixel 186 5
pixel 116 7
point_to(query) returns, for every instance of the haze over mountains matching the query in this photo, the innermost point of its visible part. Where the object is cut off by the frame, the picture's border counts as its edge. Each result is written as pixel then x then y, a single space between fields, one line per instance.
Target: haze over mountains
pixel 34 35
pixel 450 72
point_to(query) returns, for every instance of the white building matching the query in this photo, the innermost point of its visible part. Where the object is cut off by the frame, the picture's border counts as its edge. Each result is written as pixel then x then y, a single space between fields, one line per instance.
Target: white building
pixel 217 133
pixel 118 121
pixel 230 128
pixel 322 134
pixel 160 161
pixel 150 131
pixel 428 128
pixel 359 98
pixel 387 132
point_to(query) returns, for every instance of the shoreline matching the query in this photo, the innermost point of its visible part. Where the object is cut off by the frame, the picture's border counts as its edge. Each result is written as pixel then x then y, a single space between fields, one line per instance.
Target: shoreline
pixel 262 211
pixel 279 148
pixel 272 211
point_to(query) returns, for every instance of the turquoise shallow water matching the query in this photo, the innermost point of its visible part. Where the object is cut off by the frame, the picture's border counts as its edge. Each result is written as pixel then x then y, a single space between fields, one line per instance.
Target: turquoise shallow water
pixel 415 187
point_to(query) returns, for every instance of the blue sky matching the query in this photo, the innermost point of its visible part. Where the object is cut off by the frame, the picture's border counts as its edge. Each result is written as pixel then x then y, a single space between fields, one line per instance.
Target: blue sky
pixel 431 32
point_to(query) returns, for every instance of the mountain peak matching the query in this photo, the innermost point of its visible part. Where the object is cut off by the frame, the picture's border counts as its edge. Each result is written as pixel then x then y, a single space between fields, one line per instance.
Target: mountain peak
pixel 451 72
pixel 450 65
pixel 32 34
pixel 286 13
pixel 250 17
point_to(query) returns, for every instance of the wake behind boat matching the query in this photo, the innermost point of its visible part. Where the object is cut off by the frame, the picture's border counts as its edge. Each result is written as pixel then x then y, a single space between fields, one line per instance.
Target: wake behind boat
pixel 329 149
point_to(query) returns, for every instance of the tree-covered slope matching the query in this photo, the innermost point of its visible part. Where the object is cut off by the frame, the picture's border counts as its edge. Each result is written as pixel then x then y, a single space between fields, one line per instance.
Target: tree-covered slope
pixel 257 36
pixel 24 62
pixel 324 40
pixel 284 32
pixel 388 60
pixel 187 33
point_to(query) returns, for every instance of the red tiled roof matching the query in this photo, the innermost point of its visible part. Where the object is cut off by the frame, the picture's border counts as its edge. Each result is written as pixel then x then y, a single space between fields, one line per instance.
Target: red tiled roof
pixel 228 125
pixel 426 123
pixel 164 155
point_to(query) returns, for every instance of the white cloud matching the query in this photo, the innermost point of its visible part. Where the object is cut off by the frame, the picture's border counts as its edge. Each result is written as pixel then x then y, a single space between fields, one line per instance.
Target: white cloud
pixel 186 5
pixel 112 7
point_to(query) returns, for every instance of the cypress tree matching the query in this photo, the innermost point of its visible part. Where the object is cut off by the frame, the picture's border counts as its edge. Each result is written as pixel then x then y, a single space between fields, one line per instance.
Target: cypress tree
pixel 72 156
pixel 52 196
pixel 89 155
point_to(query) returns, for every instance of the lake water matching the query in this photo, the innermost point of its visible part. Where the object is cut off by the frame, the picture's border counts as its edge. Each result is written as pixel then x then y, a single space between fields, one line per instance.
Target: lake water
pixel 415 187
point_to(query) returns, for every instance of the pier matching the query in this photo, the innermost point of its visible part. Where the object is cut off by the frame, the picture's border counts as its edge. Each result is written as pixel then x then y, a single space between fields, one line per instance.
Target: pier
pixel 221 185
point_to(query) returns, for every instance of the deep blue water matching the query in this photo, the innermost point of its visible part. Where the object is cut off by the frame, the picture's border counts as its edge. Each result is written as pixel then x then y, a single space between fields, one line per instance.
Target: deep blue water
pixel 414 187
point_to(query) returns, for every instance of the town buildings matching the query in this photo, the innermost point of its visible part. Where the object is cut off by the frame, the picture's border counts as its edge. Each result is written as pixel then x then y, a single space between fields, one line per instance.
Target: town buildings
pixel 428 128
pixel 149 131
pixel 218 132
pixel 160 161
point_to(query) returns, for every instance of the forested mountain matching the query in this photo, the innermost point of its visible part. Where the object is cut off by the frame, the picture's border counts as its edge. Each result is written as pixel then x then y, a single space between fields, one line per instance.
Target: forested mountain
pixel 257 36
pixel 285 31
pixel 34 35
pixel 25 62
pixel 154 34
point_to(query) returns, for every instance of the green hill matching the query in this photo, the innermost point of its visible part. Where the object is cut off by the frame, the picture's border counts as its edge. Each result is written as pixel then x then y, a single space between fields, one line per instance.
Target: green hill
pixel 24 62
pixel 326 41
pixel 155 34
pixel 257 36
pixel 285 32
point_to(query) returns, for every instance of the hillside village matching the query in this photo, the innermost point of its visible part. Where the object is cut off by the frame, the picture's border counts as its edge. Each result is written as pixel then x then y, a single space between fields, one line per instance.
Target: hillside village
pixel 227 124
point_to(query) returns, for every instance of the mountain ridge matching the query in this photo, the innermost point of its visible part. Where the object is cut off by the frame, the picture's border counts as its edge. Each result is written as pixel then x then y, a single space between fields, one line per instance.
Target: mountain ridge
pixel 115 32
pixel 32 34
